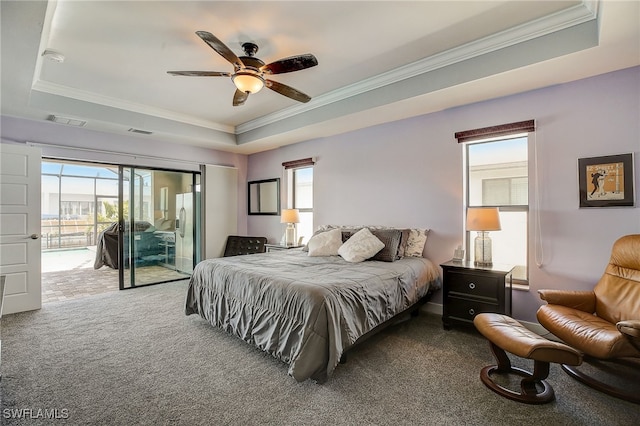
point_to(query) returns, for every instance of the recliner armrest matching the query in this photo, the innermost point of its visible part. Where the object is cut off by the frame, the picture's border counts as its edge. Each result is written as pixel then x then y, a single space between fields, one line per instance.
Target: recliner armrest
pixel 629 327
pixel 582 300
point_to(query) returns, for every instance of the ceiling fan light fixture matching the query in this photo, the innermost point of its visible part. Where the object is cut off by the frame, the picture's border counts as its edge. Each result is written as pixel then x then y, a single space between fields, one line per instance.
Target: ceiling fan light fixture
pixel 248 82
pixel 249 71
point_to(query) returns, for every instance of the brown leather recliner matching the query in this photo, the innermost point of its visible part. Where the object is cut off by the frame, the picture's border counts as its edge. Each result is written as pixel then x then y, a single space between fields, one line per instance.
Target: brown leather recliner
pixel 603 323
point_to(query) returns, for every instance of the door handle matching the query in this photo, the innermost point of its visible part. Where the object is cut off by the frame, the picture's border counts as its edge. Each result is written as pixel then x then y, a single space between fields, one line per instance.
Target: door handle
pixel 34 236
pixel 183 219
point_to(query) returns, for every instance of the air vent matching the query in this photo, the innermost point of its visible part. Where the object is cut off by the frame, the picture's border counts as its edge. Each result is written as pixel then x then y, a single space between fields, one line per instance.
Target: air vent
pixel 54 56
pixel 142 132
pixel 66 120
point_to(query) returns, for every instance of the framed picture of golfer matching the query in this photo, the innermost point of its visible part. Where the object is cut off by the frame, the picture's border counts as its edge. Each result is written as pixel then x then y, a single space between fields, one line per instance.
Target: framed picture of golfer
pixel 606 181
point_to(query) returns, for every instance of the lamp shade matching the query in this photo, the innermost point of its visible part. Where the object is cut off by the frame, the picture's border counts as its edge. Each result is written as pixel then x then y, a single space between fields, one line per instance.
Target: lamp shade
pixel 248 82
pixel 483 219
pixel 290 216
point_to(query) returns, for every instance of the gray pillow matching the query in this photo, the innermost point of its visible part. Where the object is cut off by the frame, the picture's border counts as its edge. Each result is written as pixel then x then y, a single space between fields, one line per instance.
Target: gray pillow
pixel 391 239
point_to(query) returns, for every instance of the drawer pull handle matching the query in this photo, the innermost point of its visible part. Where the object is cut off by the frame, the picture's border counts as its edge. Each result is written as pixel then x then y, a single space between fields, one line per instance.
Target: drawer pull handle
pixel 472 286
pixel 472 311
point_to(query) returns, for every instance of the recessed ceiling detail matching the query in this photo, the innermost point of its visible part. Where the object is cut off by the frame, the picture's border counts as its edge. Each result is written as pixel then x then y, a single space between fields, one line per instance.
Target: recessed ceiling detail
pixel 416 59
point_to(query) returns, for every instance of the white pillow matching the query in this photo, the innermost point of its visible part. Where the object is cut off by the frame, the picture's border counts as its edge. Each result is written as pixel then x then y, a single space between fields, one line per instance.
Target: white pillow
pixel 360 246
pixel 325 243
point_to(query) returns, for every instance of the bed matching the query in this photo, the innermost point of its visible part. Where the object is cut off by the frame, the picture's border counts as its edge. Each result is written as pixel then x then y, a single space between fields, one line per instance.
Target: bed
pixel 307 310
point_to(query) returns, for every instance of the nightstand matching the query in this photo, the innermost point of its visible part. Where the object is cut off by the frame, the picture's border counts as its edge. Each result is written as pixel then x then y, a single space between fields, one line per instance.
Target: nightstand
pixel 469 289
pixel 276 247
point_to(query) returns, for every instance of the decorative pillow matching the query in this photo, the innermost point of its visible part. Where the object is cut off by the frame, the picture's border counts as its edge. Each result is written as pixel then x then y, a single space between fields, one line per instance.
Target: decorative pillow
pixel 348 233
pixel 391 240
pixel 318 231
pixel 306 246
pixel 360 246
pixel 325 243
pixel 416 242
pixel 411 246
pixel 403 242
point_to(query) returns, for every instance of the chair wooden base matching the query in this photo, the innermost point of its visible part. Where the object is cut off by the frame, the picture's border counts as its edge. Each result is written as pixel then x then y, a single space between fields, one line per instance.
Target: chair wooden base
pixel 628 381
pixel 529 392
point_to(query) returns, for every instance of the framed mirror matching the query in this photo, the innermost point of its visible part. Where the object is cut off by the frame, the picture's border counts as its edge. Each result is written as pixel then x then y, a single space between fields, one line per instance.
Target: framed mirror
pixel 264 197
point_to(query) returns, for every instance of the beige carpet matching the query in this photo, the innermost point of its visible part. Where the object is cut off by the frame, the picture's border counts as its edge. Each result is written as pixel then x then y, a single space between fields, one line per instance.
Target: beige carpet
pixel 134 358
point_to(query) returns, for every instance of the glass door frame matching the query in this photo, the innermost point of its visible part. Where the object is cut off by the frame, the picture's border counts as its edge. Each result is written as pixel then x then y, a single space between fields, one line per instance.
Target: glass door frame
pixel 128 263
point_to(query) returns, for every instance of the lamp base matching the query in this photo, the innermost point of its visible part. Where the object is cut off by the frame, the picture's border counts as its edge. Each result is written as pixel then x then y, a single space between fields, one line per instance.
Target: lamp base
pixel 482 249
pixel 290 234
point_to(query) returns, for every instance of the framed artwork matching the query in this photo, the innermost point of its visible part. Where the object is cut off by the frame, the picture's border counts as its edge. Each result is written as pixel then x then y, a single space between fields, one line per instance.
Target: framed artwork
pixel 606 181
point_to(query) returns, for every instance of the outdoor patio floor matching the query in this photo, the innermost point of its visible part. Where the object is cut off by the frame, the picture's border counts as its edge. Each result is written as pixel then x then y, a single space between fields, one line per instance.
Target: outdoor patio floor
pixel 69 274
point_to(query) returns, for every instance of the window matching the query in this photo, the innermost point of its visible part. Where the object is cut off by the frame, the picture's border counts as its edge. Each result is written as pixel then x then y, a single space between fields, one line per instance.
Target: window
pixel 299 176
pixel 302 199
pixel 497 176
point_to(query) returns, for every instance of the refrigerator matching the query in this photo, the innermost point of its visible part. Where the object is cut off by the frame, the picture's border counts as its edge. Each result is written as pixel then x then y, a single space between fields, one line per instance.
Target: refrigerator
pixel 184 232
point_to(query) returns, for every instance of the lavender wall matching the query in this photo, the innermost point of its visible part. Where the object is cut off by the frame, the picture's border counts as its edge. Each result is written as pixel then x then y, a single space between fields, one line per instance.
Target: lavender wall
pixel 130 150
pixel 410 173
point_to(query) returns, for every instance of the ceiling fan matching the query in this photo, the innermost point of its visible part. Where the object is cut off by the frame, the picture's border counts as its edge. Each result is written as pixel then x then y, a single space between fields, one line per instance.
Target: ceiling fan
pixel 249 72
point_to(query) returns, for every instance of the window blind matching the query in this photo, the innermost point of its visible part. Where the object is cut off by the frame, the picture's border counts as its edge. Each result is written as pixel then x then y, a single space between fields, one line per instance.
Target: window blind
pixel 496 131
pixel 305 162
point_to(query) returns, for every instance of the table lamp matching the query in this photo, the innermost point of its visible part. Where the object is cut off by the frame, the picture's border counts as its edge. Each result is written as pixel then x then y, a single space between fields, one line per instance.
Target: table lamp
pixel 483 219
pixel 290 217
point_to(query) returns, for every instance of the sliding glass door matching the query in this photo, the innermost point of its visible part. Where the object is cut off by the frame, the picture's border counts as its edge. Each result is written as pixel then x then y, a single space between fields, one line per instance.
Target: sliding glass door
pixel 159 225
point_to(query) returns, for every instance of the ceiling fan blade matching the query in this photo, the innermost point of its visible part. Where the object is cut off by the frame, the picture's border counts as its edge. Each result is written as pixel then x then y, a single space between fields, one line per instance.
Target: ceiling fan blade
pixel 200 73
pixel 287 91
pixel 239 98
pixel 292 63
pixel 221 48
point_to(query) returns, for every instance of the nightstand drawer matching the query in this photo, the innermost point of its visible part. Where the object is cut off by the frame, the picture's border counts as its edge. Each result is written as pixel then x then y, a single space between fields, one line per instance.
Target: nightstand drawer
pixel 466 310
pixel 473 285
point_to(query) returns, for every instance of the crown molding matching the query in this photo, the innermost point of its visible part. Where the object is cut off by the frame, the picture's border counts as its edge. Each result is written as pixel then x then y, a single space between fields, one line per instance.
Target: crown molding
pixel 586 11
pixel 575 15
pixel 86 96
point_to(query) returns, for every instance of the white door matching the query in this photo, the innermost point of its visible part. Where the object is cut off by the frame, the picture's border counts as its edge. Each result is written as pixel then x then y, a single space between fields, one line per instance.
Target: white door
pixel 20 227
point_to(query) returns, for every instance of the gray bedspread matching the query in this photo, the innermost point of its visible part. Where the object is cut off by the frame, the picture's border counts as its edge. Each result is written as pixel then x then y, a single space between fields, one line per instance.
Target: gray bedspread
pixel 305 311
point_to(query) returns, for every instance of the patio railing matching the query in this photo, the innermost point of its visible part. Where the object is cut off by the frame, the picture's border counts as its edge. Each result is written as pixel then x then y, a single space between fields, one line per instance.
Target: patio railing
pixel 69 233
